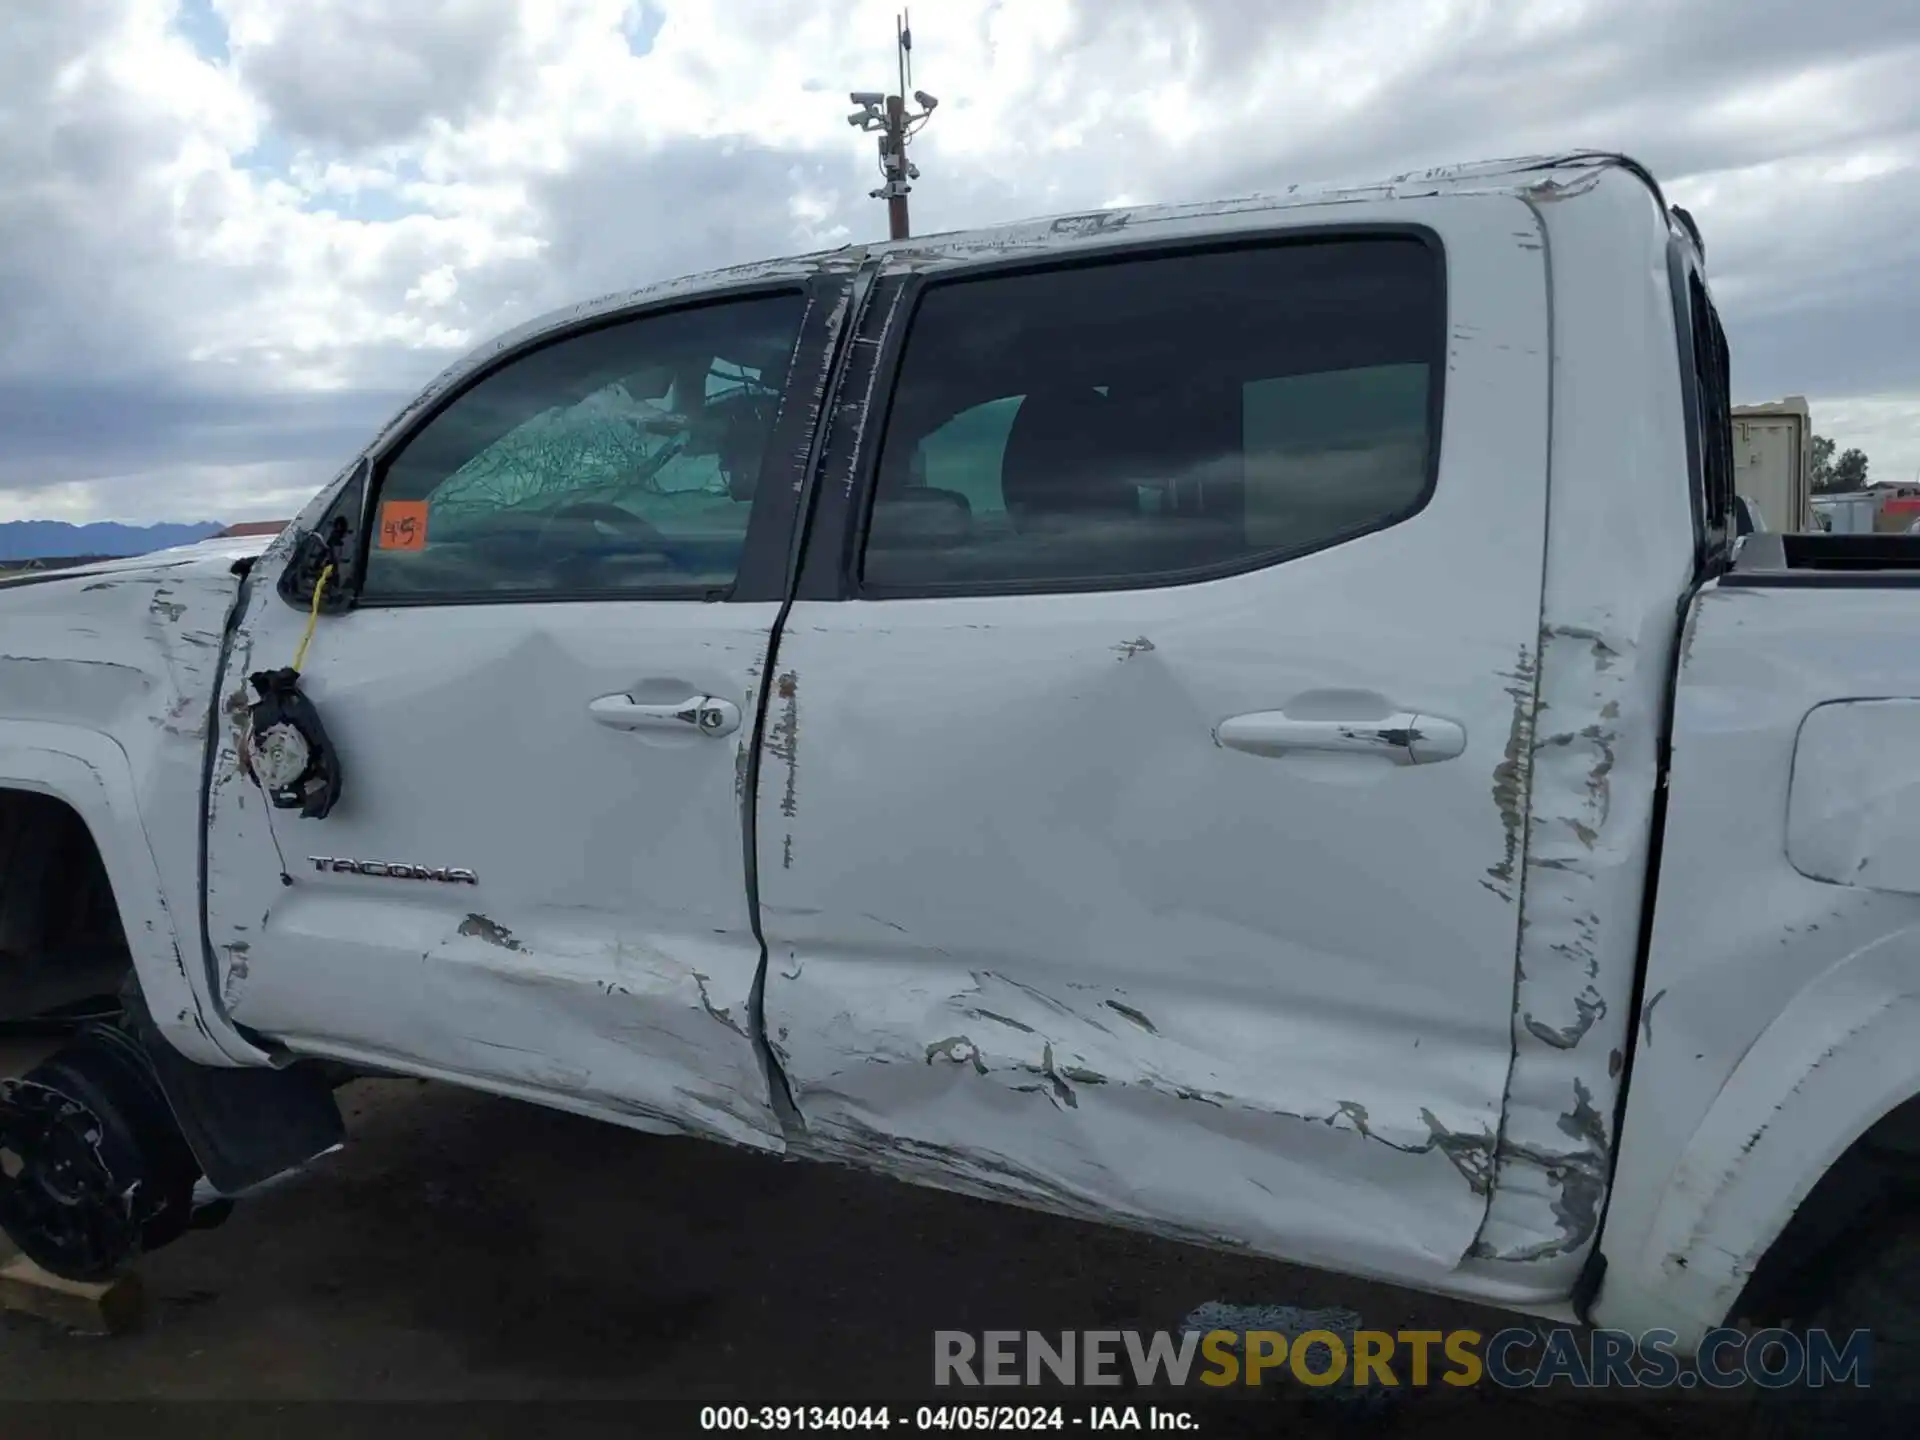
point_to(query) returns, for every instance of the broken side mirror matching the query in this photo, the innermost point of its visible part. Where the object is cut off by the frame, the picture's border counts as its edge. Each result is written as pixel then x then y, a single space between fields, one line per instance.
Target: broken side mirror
pixel 329 549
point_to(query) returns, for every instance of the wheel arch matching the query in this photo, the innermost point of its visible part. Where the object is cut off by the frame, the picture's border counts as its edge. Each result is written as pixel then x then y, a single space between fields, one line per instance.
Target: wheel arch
pixel 89 773
pixel 1828 1096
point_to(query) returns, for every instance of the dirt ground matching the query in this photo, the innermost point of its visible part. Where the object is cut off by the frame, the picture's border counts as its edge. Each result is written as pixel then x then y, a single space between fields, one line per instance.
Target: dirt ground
pixel 469 1249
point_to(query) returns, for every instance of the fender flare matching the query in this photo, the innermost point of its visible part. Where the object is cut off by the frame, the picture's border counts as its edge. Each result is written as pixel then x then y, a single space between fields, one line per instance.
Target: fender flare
pixel 90 772
pixel 1839 1058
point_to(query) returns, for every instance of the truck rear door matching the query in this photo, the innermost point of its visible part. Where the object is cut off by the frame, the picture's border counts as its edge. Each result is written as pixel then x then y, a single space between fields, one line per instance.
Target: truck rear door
pixel 1144 775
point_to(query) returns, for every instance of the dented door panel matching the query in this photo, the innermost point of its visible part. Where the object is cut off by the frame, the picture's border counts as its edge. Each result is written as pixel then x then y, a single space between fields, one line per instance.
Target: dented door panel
pixel 512 891
pixel 1034 932
pixel 603 950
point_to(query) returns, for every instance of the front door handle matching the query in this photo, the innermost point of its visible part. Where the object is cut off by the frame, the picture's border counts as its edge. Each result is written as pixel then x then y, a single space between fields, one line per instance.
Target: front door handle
pixel 1405 738
pixel 708 714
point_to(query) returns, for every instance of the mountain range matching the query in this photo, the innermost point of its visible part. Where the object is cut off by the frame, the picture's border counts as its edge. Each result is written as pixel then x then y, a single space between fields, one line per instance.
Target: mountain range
pixel 35 539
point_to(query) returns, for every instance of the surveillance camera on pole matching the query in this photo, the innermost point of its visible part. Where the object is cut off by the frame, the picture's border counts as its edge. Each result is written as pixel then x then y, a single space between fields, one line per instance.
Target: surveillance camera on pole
pixel 888 115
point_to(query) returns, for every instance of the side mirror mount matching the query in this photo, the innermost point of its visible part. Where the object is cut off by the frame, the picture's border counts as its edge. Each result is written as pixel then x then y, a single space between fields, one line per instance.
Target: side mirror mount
pixel 329 549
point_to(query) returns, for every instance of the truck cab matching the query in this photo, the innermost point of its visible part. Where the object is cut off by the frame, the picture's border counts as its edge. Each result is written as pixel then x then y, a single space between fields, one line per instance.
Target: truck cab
pixel 1040 712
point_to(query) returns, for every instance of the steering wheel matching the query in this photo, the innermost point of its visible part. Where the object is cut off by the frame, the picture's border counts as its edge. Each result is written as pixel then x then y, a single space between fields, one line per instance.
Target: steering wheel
pixel 643 534
pixel 578 561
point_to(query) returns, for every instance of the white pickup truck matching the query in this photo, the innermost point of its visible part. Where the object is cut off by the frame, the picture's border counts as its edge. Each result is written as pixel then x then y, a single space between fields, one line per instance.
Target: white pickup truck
pixel 1042 713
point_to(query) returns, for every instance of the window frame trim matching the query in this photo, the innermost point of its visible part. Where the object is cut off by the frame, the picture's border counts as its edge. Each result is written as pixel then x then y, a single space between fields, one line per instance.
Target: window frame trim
pixel 897 320
pixel 1712 543
pixel 816 292
pixel 1679 273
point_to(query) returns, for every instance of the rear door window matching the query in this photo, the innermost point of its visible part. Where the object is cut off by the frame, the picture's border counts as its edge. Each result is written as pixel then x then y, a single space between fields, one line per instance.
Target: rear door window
pixel 1142 421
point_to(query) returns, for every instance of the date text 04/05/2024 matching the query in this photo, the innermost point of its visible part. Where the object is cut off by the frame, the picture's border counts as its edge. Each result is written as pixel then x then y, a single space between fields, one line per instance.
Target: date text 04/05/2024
pixel 993 1419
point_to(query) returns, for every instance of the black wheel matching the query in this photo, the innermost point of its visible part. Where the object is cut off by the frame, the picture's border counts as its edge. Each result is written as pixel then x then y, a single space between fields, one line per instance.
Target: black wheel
pixel 93 1169
pixel 1875 1288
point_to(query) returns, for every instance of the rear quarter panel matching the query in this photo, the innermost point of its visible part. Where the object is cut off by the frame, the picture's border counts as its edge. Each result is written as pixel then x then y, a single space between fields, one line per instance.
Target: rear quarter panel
pixel 1780 1016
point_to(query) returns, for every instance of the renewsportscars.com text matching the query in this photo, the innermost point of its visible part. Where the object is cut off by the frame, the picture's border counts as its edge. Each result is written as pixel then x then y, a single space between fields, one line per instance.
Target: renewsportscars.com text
pixel 1513 1358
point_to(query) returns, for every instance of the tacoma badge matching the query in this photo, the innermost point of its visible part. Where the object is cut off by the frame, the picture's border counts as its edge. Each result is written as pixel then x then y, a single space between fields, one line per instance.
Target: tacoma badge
pixel 394 871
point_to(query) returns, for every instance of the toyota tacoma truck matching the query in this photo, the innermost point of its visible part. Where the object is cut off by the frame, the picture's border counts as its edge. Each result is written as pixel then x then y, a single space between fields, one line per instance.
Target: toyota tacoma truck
pixel 1041 713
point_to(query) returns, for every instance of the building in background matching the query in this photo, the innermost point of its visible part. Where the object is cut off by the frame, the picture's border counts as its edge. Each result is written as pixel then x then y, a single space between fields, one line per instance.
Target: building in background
pixel 1773 461
pixel 255 527
pixel 1896 505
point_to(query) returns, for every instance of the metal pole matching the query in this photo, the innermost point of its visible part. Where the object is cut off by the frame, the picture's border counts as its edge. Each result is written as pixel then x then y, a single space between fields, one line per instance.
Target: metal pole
pixel 896 169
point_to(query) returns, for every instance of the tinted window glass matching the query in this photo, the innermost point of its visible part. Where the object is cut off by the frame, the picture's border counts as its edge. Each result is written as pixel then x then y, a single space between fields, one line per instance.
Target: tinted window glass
pixel 1711 377
pixel 619 461
pixel 1118 422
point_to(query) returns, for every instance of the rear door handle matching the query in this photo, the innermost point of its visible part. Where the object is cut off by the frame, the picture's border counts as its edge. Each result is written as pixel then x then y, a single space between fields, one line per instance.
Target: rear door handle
pixel 708 714
pixel 1405 738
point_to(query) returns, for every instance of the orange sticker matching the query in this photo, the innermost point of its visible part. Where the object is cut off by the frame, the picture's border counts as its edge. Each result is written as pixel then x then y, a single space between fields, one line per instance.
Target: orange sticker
pixel 403 525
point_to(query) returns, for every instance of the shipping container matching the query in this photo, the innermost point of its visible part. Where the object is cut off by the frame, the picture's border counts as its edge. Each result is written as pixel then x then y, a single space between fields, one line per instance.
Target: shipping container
pixel 1773 460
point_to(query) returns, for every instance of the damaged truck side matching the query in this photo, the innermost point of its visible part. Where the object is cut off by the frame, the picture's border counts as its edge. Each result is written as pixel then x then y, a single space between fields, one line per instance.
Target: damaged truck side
pixel 1246 721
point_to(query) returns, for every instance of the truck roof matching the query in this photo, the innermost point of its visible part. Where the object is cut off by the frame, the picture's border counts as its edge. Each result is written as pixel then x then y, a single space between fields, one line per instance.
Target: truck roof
pixel 1529 175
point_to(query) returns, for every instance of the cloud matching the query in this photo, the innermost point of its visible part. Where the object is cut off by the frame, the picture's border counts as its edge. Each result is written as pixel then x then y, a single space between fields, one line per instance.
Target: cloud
pixel 139 427
pixel 235 233
pixel 357 74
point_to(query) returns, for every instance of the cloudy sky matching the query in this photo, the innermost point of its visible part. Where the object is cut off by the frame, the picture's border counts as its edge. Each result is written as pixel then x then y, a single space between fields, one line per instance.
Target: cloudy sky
pixel 234 234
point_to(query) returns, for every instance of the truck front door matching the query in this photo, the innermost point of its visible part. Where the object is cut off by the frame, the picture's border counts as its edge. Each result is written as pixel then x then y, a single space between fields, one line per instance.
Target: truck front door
pixel 535 877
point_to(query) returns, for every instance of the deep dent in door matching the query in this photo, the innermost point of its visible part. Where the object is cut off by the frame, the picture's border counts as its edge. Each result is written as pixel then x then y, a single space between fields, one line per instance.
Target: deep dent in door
pixel 1014 1047
pixel 1048 1095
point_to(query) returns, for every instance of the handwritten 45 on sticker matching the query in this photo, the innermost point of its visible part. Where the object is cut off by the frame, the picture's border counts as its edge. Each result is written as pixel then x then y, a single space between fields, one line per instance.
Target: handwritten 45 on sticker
pixel 403 525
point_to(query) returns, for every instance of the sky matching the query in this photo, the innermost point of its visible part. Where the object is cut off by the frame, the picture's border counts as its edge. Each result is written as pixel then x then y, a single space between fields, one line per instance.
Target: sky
pixel 235 235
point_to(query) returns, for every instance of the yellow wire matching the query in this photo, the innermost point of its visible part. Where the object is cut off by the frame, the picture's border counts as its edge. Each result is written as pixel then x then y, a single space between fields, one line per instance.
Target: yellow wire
pixel 313 618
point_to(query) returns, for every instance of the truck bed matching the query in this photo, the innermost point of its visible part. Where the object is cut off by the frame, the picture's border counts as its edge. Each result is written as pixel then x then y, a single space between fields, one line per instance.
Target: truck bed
pixel 1770 560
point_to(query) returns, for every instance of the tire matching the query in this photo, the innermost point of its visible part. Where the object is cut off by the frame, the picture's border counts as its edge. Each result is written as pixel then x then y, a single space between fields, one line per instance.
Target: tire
pixel 96 1170
pixel 1877 1288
